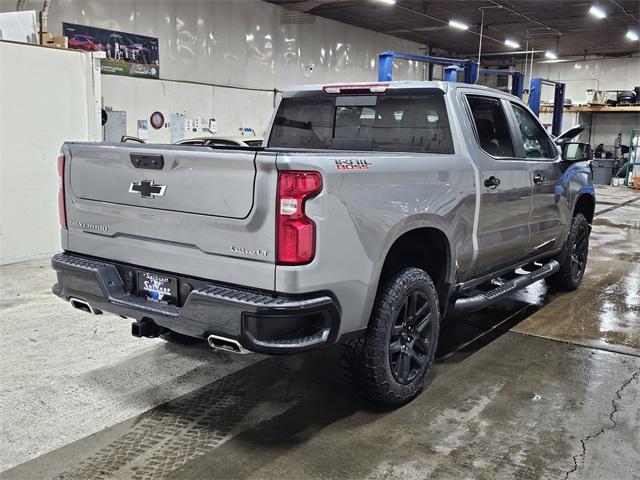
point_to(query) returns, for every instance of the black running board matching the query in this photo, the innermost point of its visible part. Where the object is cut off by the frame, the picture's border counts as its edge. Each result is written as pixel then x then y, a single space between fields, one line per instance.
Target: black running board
pixel 477 302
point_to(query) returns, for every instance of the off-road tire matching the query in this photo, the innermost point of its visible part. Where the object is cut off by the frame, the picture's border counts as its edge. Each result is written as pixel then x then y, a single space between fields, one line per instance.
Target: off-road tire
pixel 572 257
pixel 368 359
pixel 178 338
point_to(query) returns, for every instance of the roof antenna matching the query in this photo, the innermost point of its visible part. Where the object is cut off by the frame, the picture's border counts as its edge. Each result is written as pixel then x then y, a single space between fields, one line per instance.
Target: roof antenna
pixel 480 44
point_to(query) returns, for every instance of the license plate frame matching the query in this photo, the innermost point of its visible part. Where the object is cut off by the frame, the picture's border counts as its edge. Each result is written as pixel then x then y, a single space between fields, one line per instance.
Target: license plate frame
pixel 157 287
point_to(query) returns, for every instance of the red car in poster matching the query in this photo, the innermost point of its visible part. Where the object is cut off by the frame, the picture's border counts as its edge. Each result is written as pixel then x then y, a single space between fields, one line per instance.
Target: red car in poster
pixel 84 42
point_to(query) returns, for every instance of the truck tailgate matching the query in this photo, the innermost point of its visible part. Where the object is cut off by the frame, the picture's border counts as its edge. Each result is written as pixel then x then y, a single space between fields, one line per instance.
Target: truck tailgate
pixel 188 210
pixel 202 182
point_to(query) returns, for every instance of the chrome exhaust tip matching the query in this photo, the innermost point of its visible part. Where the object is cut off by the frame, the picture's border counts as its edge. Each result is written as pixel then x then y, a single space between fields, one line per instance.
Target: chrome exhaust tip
pixel 83 305
pixel 226 344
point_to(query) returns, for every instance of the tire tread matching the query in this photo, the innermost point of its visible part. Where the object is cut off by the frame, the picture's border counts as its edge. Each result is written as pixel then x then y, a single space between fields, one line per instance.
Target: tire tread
pixel 364 358
pixel 563 280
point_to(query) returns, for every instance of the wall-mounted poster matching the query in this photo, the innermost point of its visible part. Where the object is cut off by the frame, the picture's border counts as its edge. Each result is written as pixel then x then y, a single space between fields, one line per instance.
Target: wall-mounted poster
pixel 143 129
pixel 127 53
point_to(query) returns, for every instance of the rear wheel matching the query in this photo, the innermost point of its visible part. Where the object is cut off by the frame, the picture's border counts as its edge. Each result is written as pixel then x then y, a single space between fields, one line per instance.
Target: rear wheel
pixel 390 361
pixel 573 257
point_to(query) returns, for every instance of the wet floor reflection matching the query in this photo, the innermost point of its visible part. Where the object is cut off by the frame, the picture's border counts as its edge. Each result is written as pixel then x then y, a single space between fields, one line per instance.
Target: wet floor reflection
pixel 605 311
pixel 461 336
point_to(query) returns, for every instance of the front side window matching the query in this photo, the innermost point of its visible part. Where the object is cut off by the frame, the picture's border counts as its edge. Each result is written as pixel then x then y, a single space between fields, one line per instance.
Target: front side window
pixel 394 122
pixel 492 126
pixel 535 140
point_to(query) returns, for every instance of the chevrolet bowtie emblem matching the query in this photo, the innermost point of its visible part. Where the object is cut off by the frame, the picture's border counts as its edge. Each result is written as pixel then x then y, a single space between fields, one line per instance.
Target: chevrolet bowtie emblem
pixel 147 189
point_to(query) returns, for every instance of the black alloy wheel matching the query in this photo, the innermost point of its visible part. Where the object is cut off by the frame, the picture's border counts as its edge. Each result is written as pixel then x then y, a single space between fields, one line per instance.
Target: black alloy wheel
pixel 389 362
pixel 579 251
pixel 573 256
pixel 411 338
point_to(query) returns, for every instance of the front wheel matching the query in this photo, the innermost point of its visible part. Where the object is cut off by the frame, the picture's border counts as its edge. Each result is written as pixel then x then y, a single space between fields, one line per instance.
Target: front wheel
pixel 389 362
pixel 573 256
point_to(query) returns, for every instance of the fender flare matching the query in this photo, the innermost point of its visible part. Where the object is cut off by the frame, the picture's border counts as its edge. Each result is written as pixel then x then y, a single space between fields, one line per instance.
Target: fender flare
pixel 395 233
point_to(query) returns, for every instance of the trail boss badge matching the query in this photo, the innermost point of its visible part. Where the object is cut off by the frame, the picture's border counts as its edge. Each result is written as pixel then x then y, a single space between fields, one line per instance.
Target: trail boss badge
pixel 352 164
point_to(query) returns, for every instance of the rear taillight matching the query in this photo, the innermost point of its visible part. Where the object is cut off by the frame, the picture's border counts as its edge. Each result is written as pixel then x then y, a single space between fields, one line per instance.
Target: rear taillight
pixel 296 241
pixel 62 211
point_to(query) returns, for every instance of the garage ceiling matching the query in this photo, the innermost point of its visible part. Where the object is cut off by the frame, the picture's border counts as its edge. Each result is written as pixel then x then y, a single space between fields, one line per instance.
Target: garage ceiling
pixel 565 27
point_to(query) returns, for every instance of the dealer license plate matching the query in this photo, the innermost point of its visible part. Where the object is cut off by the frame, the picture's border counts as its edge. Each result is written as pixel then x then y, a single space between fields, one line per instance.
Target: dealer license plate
pixel 158 287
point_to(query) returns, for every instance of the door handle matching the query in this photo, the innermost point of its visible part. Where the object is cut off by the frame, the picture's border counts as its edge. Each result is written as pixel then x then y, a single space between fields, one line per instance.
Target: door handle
pixel 538 178
pixel 492 182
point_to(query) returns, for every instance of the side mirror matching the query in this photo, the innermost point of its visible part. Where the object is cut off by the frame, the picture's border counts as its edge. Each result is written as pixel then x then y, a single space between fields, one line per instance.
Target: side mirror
pixel 576 152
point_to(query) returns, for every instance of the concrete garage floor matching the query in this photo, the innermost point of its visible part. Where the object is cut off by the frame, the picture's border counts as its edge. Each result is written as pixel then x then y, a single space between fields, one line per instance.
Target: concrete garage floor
pixel 542 385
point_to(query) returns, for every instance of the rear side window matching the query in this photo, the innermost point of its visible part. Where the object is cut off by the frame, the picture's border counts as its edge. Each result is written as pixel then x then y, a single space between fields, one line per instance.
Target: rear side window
pixel 305 122
pixel 491 124
pixel 536 141
pixel 389 123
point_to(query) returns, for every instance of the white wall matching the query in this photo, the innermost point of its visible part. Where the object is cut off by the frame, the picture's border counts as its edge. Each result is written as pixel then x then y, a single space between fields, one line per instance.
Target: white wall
pixel 606 127
pixel 232 108
pixel 241 43
pixel 600 74
pixel 46 98
pixel 601 127
pixel 237 42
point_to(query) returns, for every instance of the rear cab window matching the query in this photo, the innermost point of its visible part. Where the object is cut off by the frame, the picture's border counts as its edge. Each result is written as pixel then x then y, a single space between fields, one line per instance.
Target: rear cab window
pixel 491 124
pixel 394 122
pixel 222 143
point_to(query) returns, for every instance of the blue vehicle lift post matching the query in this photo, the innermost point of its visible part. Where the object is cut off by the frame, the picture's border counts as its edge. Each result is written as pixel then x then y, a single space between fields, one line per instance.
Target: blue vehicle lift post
pixel 535 95
pixel 469 68
pixel 385 64
pixel 517 79
pixel 451 73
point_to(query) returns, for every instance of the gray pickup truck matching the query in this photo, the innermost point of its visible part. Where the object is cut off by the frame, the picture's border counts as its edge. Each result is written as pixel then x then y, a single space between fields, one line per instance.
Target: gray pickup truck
pixel 370 213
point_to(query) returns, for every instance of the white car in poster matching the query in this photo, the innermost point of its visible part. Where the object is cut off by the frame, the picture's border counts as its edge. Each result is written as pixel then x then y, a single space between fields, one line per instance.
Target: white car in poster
pixel 213 141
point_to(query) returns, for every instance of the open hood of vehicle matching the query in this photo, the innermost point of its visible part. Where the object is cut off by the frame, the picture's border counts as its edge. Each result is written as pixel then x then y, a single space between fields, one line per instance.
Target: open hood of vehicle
pixel 571 133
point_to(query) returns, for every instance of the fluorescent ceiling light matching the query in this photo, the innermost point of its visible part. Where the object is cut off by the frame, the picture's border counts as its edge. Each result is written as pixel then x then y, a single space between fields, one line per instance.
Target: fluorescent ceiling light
pixel 511 43
pixel 633 36
pixel 554 61
pixel 388 2
pixel 551 55
pixel 457 24
pixel 597 12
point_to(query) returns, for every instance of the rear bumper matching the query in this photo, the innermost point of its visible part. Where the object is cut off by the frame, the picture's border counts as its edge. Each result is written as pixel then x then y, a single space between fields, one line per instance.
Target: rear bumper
pixel 260 322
